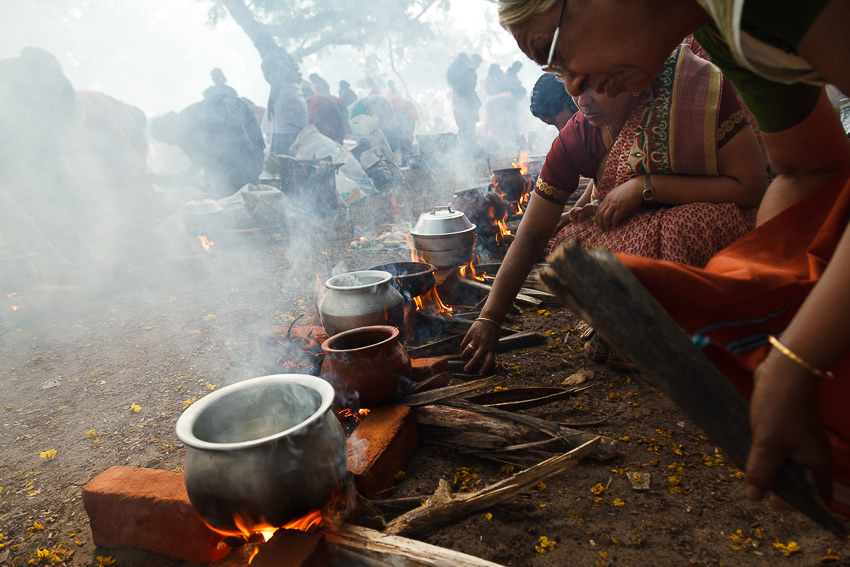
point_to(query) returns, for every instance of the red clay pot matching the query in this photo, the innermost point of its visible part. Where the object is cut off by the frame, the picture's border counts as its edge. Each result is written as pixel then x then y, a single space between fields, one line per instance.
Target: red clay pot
pixel 366 366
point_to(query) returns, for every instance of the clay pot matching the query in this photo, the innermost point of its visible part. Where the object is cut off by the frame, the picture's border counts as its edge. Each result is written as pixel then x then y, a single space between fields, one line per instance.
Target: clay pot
pixel 366 366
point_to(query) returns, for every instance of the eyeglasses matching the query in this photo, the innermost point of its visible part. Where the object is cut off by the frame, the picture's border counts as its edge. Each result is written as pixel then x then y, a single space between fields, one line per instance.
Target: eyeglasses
pixel 549 67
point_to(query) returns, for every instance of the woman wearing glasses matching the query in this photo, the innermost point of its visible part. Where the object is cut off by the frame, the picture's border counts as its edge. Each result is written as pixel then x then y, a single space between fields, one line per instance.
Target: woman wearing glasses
pixel 677 173
pixel 772 308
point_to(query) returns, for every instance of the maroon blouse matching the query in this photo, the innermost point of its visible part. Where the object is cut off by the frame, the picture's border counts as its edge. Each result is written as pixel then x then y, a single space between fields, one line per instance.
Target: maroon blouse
pixel 579 149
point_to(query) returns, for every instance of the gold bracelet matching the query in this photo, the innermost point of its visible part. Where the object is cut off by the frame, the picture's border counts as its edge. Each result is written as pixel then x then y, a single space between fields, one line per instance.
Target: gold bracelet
pixel 489 321
pixel 787 352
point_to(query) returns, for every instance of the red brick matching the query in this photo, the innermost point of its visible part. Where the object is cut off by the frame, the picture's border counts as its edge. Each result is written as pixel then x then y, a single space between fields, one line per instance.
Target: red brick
pixel 301 331
pixel 425 368
pixel 291 548
pixel 149 509
pixel 381 446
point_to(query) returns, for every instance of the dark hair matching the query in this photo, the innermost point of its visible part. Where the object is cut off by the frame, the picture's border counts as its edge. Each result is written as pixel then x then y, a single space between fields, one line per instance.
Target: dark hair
pixel 549 98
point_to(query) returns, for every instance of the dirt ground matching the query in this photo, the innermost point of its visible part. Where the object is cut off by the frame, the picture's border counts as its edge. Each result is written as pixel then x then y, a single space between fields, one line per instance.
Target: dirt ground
pixel 101 371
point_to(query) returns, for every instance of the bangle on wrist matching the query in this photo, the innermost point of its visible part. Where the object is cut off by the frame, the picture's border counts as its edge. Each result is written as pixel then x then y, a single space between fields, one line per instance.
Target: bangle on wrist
pixel 799 360
pixel 491 321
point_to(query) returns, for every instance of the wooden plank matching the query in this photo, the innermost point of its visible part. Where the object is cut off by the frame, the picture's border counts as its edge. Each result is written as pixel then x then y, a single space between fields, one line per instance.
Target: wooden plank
pixel 520 298
pixel 356 545
pixel 446 392
pixel 600 289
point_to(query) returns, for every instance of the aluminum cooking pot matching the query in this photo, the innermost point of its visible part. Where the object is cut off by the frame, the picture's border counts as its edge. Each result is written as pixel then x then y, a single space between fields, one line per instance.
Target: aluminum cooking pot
pixel 444 237
pixel 263 452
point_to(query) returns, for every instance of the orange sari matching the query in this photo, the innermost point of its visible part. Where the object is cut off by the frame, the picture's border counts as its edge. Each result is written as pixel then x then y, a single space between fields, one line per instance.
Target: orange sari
pixel 753 289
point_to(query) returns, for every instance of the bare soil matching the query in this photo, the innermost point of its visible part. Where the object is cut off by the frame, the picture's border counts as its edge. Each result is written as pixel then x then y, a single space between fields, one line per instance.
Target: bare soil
pixel 100 372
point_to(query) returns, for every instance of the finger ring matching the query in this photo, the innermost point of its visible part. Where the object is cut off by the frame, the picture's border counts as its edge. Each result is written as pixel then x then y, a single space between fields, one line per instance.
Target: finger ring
pixel 470 345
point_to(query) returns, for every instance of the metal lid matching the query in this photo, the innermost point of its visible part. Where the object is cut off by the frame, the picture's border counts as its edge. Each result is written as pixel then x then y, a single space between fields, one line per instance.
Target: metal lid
pixel 441 221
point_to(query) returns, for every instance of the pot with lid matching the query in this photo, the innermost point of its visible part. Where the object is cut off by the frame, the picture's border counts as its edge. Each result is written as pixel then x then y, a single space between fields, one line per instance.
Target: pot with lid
pixel 444 237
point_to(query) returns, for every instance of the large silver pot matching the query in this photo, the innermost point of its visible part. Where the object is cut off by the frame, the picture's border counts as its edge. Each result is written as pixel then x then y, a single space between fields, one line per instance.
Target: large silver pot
pixel 444 237
pixel 263 452
pixel 361 299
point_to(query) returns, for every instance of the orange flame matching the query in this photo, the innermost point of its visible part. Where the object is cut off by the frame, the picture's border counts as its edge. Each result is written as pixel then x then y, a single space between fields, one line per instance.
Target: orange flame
pixel 254 554
pixel 414 256
pixel 364 412
pixel 468 271
pixel 206 243
pixel 522 164
pixel 431 304
pixel 307 523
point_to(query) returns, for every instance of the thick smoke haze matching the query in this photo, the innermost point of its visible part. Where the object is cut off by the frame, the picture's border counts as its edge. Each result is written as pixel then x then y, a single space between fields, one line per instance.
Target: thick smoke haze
pixel 157 55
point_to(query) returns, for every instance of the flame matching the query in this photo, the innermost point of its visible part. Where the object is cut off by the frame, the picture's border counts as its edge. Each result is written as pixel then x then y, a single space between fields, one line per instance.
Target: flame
pixel 206 243
pixel 11 295
pixel 472 274
pixel 350 420
pixel 307 523
pixel 431 304
pixel 15 307
pixel 268 533
pixel 522 164
pixel 254 554
pixel 414 256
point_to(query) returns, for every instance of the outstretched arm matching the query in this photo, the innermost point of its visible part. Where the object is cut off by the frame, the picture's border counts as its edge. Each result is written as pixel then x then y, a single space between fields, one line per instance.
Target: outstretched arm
pixel 535 230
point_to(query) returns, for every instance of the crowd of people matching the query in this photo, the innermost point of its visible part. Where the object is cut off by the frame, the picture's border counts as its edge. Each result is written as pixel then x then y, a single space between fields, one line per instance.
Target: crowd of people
pixel 719 175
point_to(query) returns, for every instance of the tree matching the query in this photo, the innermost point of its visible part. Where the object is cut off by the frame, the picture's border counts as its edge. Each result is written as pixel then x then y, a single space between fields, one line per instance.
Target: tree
pixel 304 27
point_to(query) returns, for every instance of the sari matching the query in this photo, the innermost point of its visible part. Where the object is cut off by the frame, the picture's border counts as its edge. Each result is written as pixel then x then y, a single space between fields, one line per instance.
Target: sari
pixel 683 119
pixel 753 289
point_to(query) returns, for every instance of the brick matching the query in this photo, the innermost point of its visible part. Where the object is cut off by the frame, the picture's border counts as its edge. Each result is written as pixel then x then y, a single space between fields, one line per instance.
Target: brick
pixel 149 509
pixel 292 548
pixel 425 368
pixel 381 446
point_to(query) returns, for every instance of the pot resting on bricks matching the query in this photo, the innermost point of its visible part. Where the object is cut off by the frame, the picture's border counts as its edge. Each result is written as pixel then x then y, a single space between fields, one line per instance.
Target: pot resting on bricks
pixel 366 366
pixel 263 452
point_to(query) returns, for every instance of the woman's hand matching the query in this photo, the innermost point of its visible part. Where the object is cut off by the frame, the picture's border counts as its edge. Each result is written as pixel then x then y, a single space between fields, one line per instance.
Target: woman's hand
pixel 618 203
pixel 479 347
pixel 786 425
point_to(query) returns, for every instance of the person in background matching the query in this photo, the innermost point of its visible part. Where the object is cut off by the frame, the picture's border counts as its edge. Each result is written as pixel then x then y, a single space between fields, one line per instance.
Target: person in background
pixel 463 79
pixel 320 86
pixel 407 117
pixel 287 109
pixel 771 309
pixel 512 82
pixel 329 115
pixel 221 137
pixel 382 109
pixel 220 86
pixel 551 103
pixel 346 94
pixel 494 82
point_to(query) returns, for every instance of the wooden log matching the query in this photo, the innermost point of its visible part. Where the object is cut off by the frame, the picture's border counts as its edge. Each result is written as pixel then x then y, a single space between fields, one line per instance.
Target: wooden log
pixel 602 291
pixel 446 392
pixel 355 545
pixel 520 340
pixel 514 428
pixel 520 298
pixel 444 507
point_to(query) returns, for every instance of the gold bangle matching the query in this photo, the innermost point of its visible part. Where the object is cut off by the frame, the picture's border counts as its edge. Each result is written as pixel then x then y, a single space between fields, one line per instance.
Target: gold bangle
pixel 489 321
pixel 787 352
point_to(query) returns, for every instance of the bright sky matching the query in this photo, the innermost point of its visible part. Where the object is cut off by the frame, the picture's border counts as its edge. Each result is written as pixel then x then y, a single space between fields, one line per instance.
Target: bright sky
pixel 157 54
